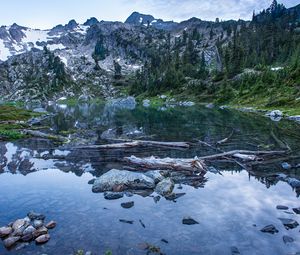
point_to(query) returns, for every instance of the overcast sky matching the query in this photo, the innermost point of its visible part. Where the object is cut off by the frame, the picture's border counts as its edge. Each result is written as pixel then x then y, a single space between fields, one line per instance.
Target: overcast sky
pixel 48 13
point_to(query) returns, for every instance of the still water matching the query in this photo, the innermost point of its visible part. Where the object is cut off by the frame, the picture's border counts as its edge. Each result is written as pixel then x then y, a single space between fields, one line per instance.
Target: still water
pixel 230 207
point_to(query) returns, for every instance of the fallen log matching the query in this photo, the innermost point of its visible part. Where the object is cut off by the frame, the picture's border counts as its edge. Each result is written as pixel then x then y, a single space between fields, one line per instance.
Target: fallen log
pixel 137 143
pixel 45 135
pixel 243 154
pixel 156 163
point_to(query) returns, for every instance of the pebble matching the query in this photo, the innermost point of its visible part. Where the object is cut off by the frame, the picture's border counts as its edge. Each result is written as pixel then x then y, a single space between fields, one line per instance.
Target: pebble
pixel 36 216
pixel 126 221
pixel 286 166
pixel 127 205
pixel 235 251
pixel 271 229
pixel 289 223
pixel 5 231
pixel 38 223
pixel 189 221
pixel 281 207
pixel 113 195
pixel 40 231
pixel 9 242
pixel 296 210
pixel 51 225
pixel 29 230
pixel 42 239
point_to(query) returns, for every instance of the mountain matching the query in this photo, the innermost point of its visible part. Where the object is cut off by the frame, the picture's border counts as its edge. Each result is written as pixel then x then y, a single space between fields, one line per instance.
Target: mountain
pixel 99 57
pixel 139 19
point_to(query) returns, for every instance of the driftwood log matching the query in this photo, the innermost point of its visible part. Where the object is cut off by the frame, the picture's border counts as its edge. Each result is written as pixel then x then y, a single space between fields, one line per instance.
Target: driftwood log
pixel 174 164
pixel 138 143
pixel 198 164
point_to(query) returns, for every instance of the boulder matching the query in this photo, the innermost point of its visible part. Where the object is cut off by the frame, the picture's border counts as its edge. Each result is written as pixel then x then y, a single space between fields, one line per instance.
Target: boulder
pixel 165 187
pixel 128 180
pixel 29 230
pixel 38 223
pixel 36 216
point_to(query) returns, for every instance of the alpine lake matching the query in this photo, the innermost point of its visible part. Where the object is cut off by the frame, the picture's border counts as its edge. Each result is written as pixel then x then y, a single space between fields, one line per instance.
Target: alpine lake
pixel 229 204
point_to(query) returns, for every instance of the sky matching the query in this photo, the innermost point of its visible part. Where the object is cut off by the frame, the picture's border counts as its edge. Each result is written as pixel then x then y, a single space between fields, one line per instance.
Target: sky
pixel 48 13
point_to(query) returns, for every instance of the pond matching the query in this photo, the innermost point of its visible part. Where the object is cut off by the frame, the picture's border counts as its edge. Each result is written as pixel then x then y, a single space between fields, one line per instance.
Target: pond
pixel 231 205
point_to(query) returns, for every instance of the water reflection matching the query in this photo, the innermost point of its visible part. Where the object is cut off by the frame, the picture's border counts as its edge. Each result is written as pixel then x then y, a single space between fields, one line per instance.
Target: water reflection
pixel 37 174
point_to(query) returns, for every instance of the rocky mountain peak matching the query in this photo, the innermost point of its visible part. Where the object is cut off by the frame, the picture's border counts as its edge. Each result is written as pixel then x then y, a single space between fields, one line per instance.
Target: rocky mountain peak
pixel 91 21
pixel 137 18
pixel 72 24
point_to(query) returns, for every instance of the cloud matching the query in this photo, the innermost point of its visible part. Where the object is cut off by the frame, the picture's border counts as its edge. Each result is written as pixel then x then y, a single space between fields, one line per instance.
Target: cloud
pixel 179 10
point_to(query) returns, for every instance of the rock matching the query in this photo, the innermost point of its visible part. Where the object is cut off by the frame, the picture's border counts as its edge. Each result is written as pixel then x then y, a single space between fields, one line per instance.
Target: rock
pixel 92 181
pixel 40 231
pixel 146 103
pixel 51 225
pixel 29 230
pixel 155 175
pixel 130 180
pixel 127 205
pixel 164 241
pixel 126 221
pixel 294 118
pixel 19 224
pixel 42 239
pixel 271 229
pixel 287 239
pixel 156 199
pixel 175 196
pixel 235 251
pixel 27 238
pixel 189 221
pixel 36 216
pixel 295 183
pixel 5 231
pixel 9 242
pixel 165 187
pixel 113 195
pixel 281 207
pixel 38 223
pixel 286 166
pixel 289 223
pixel 296 210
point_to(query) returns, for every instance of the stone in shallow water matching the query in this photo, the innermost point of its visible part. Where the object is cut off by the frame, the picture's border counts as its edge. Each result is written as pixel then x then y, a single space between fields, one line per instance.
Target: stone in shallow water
pixel 36 216
pixel 18 224
pixel 126 221
pixel 40 231
pixel 113 195
pixel 42 239
pixel 281 207
pixel 38 223
pixel 129 180
pixel 235 251
pixel 92 181
pixel 9 242
pixel 287 239
pixel 189 221
pixel 29 230
pixel 27 238
pixel 51 225
pixel 289 223
pixel 165 187
pixel 127 205
pixel 5 231
pixel 296 210
pixel 271 229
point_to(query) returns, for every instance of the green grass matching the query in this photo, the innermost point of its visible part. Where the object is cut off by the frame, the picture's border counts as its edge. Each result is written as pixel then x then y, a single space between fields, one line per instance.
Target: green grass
pixel 12 121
